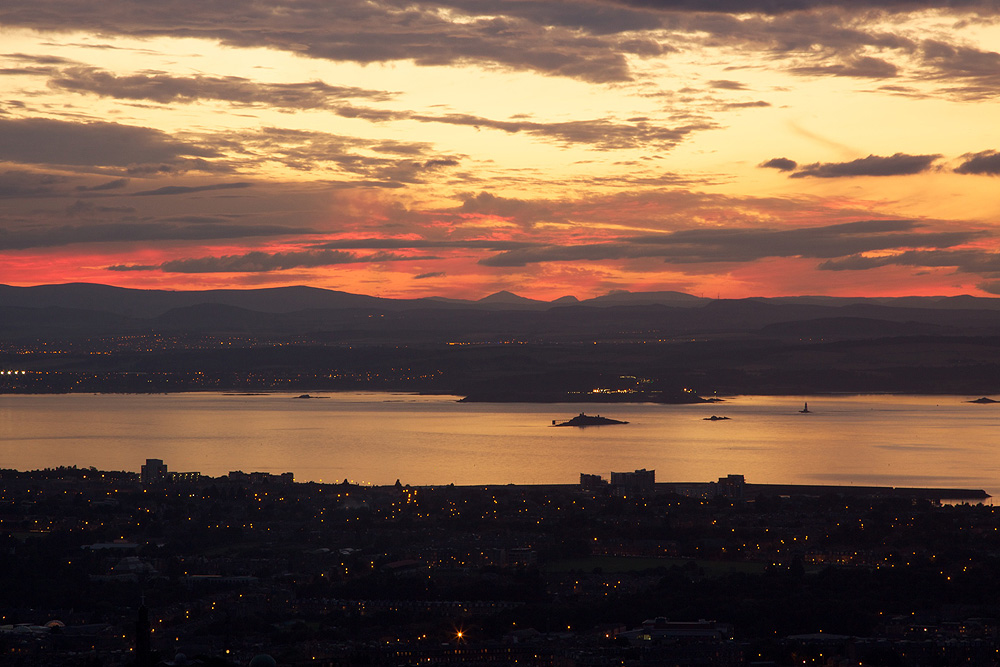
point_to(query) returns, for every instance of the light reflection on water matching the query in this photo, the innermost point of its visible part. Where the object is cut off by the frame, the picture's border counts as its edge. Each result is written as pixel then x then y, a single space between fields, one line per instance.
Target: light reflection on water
pixel 378 438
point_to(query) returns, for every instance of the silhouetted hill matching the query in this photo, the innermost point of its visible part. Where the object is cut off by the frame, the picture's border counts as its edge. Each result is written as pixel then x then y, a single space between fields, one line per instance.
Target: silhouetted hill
pixel 847 328
pixel 965 302
pixel 221 319
pixel 150 303
pixel 622 297
pixel 58 322
pixel 509 299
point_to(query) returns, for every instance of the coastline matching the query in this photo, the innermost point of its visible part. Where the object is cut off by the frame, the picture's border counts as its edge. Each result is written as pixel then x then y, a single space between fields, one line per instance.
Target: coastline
pixel 975 398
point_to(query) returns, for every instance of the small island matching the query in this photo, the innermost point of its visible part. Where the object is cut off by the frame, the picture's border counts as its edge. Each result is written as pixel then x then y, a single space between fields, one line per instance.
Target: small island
pixel 983 401
pixel 588 420
pixel 714 418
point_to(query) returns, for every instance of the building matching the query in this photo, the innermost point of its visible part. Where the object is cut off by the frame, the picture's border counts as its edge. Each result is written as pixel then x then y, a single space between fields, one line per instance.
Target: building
pixel 732 487
pixel 588 481
pixel 153 472
pixel 261 477
pixel 640 481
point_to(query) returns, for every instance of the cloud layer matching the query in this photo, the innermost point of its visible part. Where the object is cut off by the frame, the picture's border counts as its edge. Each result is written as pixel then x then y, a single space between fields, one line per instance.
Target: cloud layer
pixel 460 147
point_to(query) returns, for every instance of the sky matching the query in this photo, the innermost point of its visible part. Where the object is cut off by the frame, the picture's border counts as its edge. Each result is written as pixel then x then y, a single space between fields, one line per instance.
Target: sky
pixel 458 148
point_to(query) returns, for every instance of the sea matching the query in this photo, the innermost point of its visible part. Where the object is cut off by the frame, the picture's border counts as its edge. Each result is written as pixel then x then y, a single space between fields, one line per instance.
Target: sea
pixel 378 438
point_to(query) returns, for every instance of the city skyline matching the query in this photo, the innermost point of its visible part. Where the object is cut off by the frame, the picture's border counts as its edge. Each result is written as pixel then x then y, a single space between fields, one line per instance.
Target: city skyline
pixel 545 148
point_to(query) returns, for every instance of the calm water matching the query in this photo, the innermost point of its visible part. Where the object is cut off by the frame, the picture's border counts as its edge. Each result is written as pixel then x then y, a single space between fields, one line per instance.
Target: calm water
pixel 378 438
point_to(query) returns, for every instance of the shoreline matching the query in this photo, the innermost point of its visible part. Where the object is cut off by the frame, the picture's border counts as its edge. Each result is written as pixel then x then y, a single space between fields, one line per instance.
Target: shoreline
pixel 973 397
pixel 745 491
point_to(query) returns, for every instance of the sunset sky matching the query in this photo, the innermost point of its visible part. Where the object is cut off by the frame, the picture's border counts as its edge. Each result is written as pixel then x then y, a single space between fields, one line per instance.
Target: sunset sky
pixel 457 148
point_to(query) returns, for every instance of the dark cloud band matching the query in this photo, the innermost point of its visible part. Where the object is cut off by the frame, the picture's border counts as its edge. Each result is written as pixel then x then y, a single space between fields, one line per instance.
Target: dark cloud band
pixel 985 163
pixel 127 232
pixel 167 89
pixel 45 141
pixel 899 164
pixel 739 245
pixel 261 262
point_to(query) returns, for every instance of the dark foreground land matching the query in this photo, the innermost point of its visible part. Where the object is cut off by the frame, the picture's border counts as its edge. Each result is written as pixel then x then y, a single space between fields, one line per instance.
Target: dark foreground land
pixel 611 372
pixel 679 574
pixel 658 347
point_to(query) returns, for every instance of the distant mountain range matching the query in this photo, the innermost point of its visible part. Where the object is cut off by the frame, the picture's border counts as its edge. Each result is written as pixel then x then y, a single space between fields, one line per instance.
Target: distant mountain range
pixel 151 303
pixel 80 309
